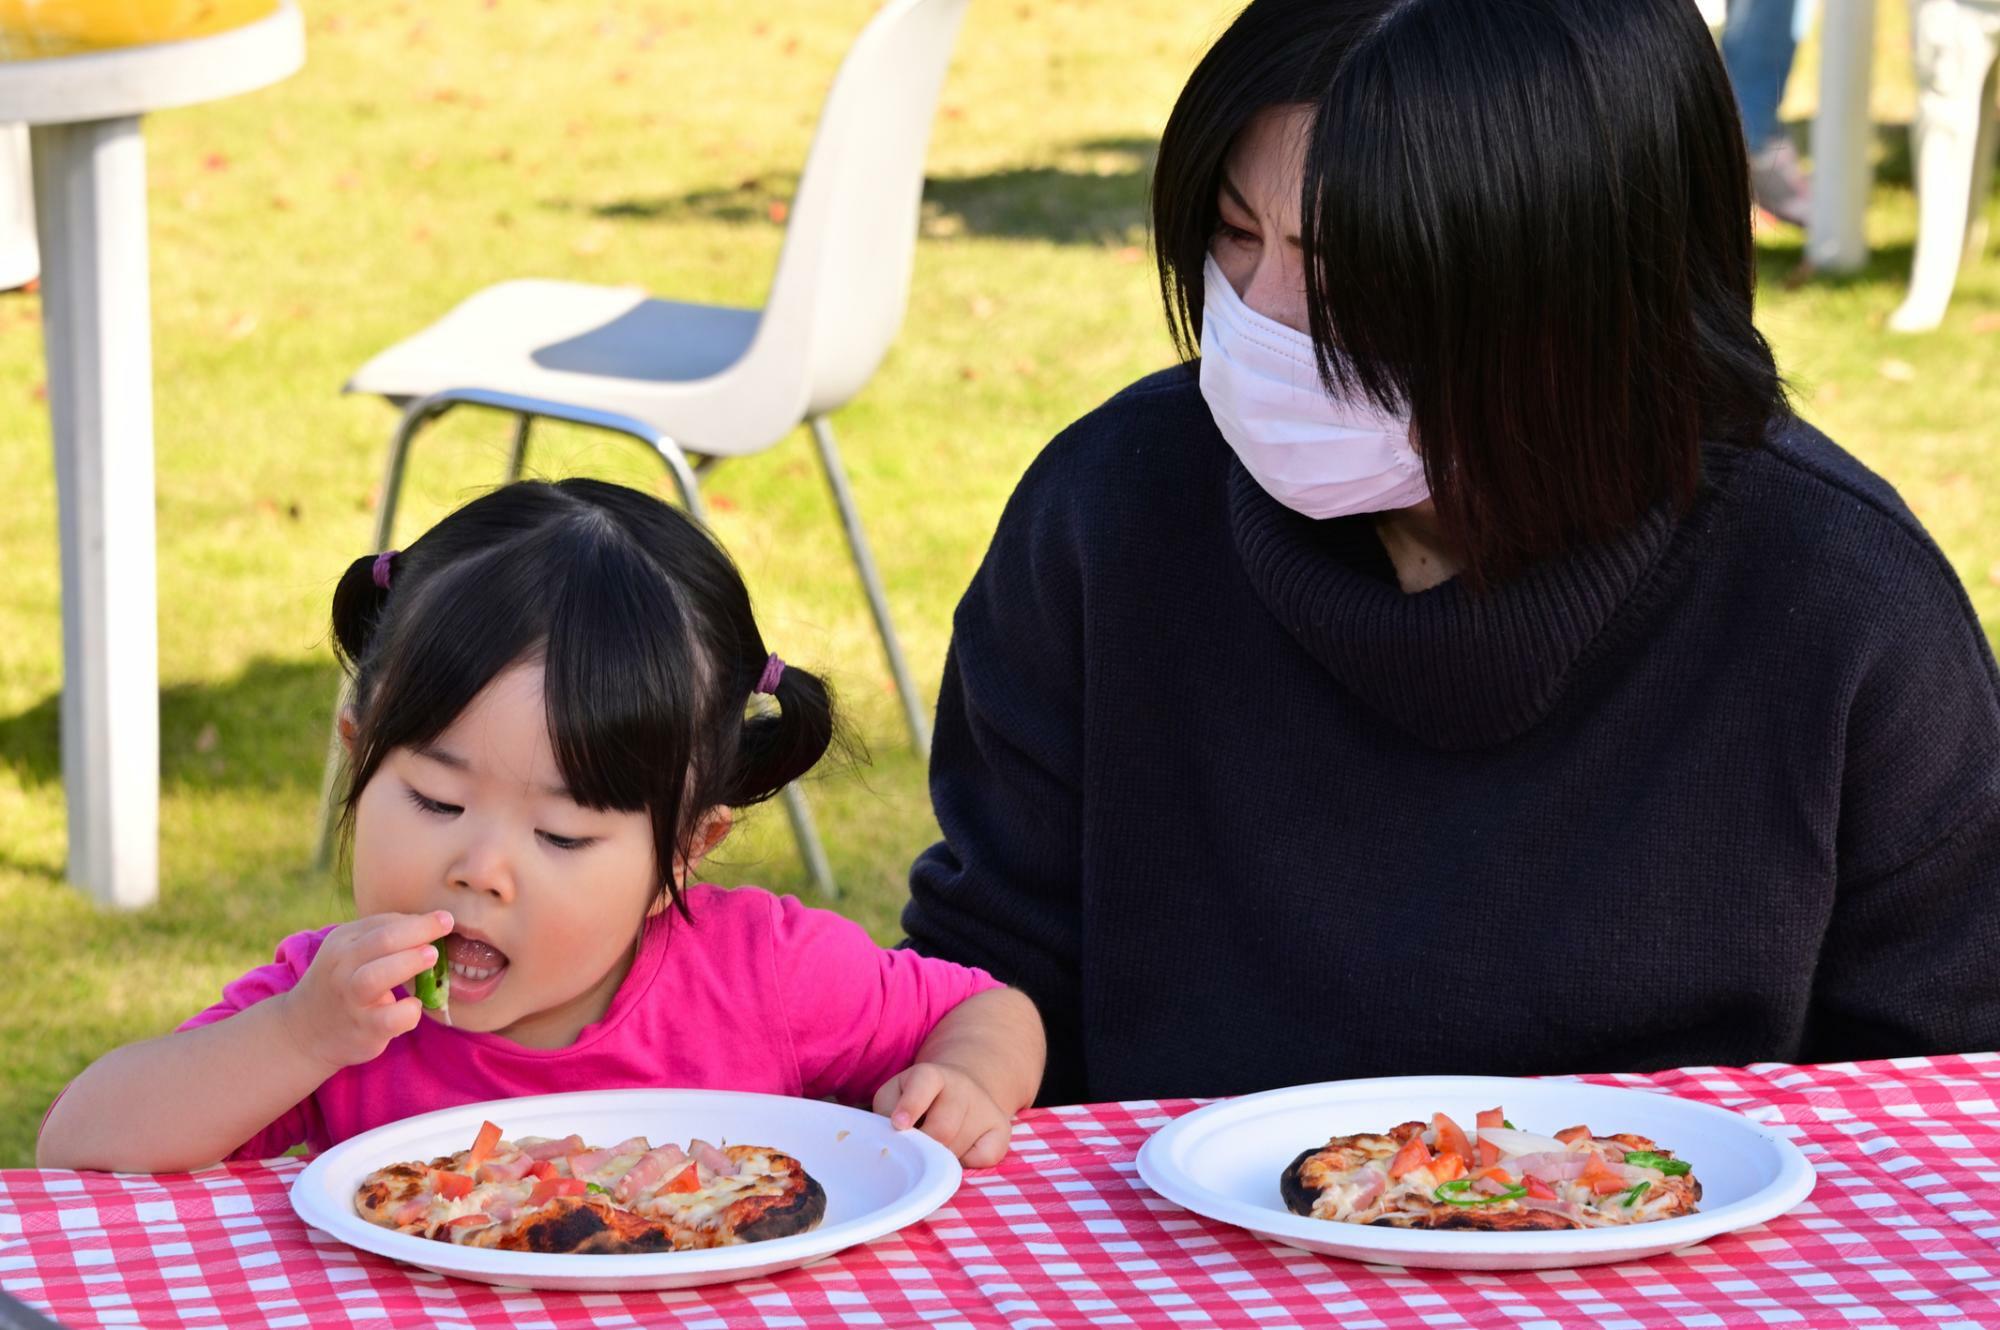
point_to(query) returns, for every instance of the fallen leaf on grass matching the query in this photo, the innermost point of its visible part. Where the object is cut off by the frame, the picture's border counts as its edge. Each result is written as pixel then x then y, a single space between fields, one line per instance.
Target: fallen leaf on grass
pixel 1897 371
pixel 207 739
pixel 1986 323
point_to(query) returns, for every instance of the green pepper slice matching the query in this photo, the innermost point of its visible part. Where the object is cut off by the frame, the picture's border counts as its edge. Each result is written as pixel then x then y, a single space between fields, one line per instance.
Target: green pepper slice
pixel 433 986
pixel 1634 1192
pixel 1673 1168
pixel 1458 1192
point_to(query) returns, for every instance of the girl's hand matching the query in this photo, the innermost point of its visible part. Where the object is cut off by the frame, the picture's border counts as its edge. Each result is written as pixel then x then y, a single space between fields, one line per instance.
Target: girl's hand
pixel 343 1011
pixel 952 1107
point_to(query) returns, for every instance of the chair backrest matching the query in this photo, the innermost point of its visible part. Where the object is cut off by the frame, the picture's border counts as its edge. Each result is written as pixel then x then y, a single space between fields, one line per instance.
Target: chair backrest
pixel 844 272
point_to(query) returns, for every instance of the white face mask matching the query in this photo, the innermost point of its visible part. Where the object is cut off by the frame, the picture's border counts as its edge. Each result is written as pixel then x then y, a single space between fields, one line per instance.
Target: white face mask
pixel 1320 455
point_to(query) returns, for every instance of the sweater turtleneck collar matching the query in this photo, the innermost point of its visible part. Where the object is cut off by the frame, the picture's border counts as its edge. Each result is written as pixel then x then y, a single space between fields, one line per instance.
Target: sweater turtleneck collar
pixel 1455 669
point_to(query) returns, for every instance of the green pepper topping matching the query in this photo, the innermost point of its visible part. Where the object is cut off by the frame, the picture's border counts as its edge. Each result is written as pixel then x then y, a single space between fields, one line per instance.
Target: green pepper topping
pixel 1633 1193
pixel 1459 1192
pixel 593 1189
pixel 1508 1125
pixel 1673 1168
pixel 433 986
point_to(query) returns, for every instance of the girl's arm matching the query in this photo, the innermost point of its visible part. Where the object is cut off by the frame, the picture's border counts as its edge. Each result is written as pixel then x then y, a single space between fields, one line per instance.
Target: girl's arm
pixel 183 1100
pixel 980 1066
pixel 187 1099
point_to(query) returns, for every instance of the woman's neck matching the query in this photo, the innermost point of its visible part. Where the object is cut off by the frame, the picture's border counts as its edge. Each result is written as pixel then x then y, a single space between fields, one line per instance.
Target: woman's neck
pixel 1416 547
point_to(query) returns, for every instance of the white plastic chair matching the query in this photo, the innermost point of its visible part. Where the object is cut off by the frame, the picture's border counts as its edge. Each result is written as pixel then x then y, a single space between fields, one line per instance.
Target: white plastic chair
pixel 1955 48
pixel 701 383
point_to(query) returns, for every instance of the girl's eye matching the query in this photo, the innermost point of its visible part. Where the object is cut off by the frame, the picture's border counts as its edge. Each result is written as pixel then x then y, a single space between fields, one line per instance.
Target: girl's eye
pixel 430 805
pixel 1234 235
pixel 567 842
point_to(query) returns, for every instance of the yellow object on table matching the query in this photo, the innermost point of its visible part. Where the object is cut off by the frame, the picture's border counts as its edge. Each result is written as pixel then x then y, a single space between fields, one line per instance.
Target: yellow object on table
pixel 38 29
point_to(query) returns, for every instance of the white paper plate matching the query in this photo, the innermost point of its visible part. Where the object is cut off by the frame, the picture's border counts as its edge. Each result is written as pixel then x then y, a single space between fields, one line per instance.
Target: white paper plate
pixel 877 1180
pixel 1223 1161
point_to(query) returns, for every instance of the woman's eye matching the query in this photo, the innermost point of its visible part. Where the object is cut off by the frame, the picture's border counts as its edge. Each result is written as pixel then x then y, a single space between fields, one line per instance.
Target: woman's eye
pixel 430 805
pixel 567 842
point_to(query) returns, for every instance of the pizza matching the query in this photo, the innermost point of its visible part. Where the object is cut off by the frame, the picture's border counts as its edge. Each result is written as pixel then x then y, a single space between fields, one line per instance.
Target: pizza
pixel 546 1195
pixel 1432 1175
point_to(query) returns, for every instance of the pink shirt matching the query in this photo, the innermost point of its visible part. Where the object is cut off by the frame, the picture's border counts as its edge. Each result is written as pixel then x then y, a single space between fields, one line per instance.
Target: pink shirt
pixel 758 993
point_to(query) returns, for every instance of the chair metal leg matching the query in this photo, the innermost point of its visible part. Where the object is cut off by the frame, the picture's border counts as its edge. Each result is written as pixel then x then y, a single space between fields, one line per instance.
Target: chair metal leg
pixel 871 581
pixel 518 457
pixel 414 417
pixel 800 816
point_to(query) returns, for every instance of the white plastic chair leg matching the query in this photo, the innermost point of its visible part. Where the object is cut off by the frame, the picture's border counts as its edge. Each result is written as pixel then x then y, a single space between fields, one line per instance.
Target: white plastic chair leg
pixel 871 582
pixel 1954 46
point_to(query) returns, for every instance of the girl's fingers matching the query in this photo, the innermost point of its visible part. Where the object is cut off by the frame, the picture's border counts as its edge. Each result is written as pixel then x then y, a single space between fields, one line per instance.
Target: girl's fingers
pixel 921 1086
pixel 990 1148
pixel 946 1120
pixel 372 981
pixel 402 1016
pixel 399 932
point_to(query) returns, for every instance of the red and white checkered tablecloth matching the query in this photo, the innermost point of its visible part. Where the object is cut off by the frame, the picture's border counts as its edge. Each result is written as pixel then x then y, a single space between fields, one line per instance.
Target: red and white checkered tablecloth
pixel 1901 1231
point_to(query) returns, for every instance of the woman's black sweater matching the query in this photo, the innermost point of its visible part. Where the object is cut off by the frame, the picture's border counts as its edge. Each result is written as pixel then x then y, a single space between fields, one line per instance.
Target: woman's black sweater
pixel 1237 812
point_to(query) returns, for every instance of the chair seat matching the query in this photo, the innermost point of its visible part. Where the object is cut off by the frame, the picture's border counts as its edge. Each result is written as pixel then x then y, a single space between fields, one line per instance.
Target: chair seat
pixel 609 348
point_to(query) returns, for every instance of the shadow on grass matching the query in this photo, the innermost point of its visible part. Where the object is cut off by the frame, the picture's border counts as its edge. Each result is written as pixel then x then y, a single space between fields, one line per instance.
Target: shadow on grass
pixel 261 729
pixel 1094 194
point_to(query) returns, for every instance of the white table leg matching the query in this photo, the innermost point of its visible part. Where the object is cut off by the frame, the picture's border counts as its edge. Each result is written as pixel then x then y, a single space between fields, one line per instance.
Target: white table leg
pixel 90 210
pixel 1841 133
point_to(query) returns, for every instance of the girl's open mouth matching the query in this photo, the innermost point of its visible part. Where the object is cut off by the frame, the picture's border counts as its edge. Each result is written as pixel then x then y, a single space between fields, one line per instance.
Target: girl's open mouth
pixel 477 967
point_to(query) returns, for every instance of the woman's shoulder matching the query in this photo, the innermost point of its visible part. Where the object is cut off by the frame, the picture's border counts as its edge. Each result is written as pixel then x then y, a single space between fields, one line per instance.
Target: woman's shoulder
pixel 1825 504
pixel 1134 431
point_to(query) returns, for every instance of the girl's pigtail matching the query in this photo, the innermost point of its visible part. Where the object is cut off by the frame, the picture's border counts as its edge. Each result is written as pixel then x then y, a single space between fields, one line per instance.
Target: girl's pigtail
pixel 779 747
pixel 357 607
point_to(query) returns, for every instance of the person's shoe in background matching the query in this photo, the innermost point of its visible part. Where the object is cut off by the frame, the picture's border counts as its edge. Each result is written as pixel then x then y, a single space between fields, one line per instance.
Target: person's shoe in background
pixel 1778 183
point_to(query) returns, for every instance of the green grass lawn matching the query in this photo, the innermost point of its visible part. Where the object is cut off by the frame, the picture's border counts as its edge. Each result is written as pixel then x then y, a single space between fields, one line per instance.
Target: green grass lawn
pixel 428 150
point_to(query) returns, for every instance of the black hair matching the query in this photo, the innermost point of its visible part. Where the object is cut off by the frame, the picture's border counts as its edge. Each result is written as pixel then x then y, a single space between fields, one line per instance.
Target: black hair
pixel 644 632
pixel 1526 222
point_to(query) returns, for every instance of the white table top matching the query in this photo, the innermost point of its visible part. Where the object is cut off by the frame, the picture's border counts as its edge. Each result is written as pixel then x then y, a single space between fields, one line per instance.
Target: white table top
pixel 133 80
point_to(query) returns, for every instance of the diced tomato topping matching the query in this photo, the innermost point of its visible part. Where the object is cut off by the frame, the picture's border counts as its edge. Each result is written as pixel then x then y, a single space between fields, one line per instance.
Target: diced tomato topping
pixel 470 1221
pixel 543 1169
pixel 451 1186
pixel 1601 1180
pixel 1411 1157
pixel 687 1180
pixel 548 1189
pixel 1489 1153
pixel 1499 1175
pixel 1447 1166
pixel 482 1145
pixel 1571 1135
pixel 1538 1189
pixel 1450 1136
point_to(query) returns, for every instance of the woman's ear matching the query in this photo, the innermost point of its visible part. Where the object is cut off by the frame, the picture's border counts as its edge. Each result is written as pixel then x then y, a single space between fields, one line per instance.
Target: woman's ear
pixel 349 730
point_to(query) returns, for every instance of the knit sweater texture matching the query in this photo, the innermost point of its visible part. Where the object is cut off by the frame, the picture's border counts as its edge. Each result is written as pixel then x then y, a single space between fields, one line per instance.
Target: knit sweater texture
pixel 1237 812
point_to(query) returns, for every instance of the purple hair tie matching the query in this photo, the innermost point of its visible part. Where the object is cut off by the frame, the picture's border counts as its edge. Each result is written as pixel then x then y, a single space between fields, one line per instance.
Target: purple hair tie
pixel 774 670
pixel 382 562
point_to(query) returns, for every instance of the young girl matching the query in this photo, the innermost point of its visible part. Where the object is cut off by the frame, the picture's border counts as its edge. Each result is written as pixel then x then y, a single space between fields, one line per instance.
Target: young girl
pixel 553 717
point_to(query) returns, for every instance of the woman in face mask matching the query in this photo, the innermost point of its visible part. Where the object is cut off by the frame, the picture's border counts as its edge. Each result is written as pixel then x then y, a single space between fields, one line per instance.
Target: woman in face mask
pixel 1470 665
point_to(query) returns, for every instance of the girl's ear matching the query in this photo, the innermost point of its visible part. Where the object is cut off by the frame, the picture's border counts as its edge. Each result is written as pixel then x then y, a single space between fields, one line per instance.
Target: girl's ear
pixel 349 730
pixel 714 825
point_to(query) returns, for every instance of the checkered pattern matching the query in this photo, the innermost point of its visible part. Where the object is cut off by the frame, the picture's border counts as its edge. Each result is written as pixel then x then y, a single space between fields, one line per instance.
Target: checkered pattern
pixel 1900 1232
